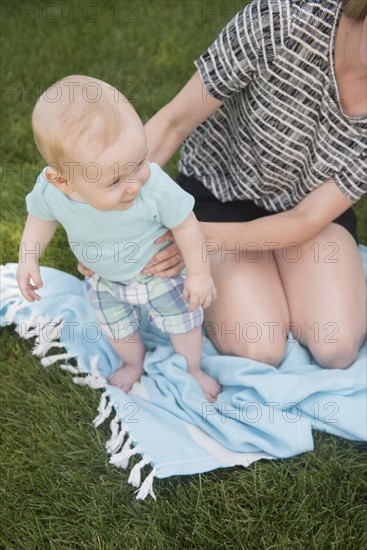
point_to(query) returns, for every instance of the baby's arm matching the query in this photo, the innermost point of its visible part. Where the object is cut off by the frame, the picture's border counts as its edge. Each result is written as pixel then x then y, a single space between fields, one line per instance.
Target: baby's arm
pixel 36 236
pixel 199 287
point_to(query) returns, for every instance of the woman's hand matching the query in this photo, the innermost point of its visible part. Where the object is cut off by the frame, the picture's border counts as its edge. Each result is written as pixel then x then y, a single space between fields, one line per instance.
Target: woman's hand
pixel 84 270
pixel 167 262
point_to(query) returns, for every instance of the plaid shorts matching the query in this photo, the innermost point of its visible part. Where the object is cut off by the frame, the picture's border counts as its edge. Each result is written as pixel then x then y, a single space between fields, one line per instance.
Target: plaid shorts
pixel 117 305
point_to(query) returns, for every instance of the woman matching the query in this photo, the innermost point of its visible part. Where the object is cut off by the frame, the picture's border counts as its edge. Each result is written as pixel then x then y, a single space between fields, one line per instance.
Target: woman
pixel 275 155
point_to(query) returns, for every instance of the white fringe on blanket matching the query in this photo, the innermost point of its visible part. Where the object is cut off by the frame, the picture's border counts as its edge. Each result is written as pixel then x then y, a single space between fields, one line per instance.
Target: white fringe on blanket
pixel 47 332
pixel 121 451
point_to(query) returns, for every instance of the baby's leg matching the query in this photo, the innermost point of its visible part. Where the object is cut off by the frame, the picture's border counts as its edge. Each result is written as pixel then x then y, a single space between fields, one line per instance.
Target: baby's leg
pixel 190 346
pixel 132 351
pixel 116 316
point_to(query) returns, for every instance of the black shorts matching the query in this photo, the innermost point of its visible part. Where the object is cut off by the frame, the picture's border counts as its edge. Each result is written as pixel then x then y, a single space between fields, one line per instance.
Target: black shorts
pixel 209 209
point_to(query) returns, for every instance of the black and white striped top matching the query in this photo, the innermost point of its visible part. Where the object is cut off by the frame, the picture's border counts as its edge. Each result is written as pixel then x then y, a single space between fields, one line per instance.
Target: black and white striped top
pixel 281 131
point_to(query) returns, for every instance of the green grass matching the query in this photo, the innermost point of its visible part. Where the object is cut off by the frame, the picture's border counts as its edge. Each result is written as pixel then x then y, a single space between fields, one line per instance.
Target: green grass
pixel 57 489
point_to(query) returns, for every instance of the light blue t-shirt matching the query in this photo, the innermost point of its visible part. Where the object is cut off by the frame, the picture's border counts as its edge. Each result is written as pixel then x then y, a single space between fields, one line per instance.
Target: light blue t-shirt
pixel 119 243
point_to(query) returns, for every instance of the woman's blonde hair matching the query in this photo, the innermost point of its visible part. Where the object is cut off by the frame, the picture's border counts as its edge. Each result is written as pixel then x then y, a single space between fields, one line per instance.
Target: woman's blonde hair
pixel 355 9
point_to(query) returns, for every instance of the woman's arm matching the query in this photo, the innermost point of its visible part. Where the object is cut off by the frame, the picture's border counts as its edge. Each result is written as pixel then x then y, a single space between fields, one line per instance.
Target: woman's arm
pixel 173 123
pixel 165 132
pixel 297 225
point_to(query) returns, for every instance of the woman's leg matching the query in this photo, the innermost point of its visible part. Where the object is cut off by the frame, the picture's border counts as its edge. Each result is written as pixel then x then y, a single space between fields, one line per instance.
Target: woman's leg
pixel 326 293
pixel 250 316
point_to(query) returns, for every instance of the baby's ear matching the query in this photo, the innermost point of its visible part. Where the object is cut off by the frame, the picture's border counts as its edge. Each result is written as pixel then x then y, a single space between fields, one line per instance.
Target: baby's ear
pixel 54 177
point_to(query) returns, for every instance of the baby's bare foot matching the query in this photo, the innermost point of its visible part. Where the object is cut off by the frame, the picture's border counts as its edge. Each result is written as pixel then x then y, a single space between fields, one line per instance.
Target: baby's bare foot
pixel 209 385
pixel 126 376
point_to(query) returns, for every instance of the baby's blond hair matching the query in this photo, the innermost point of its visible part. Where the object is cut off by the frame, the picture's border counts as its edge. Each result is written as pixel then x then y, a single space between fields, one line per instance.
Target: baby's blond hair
pixel 74 113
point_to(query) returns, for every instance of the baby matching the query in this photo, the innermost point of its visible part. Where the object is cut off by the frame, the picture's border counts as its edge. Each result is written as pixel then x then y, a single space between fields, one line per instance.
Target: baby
pixel 114 205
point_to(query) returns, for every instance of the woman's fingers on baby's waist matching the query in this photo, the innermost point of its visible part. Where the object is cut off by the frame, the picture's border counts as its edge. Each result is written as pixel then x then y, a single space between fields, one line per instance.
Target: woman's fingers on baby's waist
pixel 170 251
pixel 168 265
pixel 164 273
pixel 168 236
pixel 84 270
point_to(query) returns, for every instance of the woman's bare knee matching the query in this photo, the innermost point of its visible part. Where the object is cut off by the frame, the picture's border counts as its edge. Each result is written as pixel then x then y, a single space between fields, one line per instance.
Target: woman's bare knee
pixel 271 353
pixel 339 355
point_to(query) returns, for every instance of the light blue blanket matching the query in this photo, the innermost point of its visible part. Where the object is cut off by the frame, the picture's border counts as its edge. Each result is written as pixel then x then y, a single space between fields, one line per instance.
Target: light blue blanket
pixel 262 412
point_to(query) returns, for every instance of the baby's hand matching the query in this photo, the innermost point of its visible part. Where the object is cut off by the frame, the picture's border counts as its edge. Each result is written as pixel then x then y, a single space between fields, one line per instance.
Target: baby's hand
pixel 25 272
pixel 199 290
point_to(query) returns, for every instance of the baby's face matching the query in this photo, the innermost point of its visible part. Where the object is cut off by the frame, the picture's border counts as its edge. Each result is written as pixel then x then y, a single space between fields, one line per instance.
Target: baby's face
pixel 112 180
